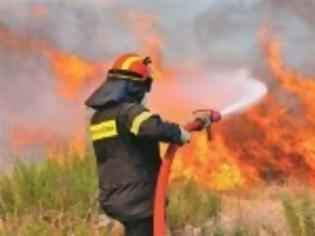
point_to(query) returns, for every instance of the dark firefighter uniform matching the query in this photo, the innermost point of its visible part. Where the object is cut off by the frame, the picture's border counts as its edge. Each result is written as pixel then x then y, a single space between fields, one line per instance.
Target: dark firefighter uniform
pixel 126 138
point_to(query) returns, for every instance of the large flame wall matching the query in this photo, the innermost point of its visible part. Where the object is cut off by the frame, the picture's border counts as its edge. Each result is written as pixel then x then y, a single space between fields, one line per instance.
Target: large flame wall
pixel 46 78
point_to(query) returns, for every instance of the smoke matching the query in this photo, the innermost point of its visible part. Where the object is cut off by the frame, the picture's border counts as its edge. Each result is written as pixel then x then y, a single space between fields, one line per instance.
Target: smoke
pixel 205 36
pixel 255 90
pixel 231 31
pixel 225 91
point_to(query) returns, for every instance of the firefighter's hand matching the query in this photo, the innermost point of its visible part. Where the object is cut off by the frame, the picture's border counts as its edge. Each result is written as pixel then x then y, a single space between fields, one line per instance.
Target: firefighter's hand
pixel 205 117
pixel 184 136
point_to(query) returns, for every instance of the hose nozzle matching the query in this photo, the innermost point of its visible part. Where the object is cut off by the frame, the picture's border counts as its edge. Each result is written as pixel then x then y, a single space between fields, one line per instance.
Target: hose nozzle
pixel 207 114
pixel 215 116
pixel 204 118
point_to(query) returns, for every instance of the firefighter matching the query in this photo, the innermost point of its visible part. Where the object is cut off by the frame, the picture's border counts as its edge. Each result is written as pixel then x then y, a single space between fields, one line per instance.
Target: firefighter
pixel 126 136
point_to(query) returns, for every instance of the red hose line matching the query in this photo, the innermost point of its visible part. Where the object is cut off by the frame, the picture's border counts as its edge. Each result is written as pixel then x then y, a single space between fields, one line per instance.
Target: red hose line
pixel 162 183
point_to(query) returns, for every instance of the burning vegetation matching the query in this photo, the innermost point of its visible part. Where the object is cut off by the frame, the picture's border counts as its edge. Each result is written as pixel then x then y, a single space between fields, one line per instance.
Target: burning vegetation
pixel 271 142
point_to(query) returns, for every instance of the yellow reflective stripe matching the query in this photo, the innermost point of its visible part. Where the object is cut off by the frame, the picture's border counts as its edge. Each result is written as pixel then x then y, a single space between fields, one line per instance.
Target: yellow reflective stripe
pixel 137 122
pixel 128 62
pixel 106 129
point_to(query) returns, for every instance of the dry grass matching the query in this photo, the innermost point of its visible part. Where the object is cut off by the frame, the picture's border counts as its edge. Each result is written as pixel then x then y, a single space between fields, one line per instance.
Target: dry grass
pixel 49 199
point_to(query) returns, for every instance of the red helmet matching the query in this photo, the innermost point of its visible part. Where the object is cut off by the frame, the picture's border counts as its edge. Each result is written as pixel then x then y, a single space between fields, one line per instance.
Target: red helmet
pixel 131 66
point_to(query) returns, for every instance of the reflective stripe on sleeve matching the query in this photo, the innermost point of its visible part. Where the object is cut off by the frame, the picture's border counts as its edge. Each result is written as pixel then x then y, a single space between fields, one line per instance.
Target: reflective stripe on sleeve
pixel 137 122
pixel 106 129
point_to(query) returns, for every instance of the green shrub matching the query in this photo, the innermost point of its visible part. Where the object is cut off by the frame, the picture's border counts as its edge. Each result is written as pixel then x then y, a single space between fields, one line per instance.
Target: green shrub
pixel 192 205
pixel 53 199
pixel 300 214
pixel 49 194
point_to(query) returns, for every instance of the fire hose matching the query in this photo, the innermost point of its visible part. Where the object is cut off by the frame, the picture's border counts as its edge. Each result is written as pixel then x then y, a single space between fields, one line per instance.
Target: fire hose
pixel 162 184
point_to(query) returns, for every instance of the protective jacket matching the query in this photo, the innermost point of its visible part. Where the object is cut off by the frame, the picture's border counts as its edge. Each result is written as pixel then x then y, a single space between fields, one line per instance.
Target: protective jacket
pixel 126 138
pixel 126 142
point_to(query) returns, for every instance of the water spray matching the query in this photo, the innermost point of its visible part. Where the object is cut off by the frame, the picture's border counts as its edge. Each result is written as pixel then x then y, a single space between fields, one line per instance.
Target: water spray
pixel 255 93
pixel 196 125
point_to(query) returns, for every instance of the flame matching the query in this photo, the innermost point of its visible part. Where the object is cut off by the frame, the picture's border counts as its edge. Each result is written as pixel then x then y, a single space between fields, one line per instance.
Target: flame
pixel 301 139
pixel 142 28
pixel 73 74
pixel 22 134
pixel 273 141
pixel 209 164
pixel 71 71
pixel 299 85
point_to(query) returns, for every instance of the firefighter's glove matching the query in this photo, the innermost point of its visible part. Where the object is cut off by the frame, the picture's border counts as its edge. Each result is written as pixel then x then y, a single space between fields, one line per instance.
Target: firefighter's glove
pixel 184 136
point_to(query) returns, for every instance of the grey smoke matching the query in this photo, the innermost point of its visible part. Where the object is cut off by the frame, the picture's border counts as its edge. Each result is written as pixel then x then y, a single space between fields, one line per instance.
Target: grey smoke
pixel 212 34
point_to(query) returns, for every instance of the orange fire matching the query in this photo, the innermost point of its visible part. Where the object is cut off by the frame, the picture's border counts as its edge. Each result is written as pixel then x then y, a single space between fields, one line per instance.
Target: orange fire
pixel 142 28
pixel 71 71
pixel 20 138
pixel 299 133
pixel 274 141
